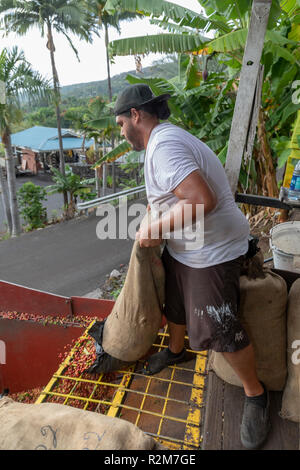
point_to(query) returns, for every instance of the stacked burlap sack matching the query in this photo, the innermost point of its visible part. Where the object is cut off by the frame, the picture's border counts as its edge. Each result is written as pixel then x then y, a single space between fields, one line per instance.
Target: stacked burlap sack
pixel 271 317
pixel 263 301
pixel 49 426
pixel 291 394
pixel 128 333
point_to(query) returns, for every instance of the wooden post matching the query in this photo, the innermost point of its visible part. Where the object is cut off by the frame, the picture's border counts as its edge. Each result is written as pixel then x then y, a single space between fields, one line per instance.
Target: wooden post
pixel 245 95
pixel 104 174
pixel 97 185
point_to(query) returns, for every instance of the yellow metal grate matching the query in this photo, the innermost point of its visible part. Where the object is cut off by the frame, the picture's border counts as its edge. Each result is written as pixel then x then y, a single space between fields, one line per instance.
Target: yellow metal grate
pixel 167 406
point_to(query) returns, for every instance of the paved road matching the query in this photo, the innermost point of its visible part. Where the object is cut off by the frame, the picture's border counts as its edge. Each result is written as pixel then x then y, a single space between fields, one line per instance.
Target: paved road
pixel 65 259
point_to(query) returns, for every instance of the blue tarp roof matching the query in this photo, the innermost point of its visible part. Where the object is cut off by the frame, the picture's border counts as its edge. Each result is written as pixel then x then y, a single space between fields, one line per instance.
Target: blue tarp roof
pixel 45 139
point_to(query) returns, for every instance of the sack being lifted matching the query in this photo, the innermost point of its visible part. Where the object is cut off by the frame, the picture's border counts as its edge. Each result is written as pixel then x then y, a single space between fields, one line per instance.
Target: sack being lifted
pixel 49 426
pixel 128 333
pixel 263 300
pixel 291 394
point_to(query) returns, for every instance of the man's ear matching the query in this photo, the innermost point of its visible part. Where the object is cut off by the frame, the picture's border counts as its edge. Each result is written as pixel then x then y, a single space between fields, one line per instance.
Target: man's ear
pixel 135 114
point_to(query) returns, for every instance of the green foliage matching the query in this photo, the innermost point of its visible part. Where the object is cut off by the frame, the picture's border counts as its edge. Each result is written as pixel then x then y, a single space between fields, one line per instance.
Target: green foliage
pixel 70 183
pixel 20 81
pixel 205 111
pixel 30 197
pixel 133 169
pixel 65 16
pixel 204 105
pixel 114 154
pixel 159 43
pixel 109 181
pixel 42 117
pixel 116 292
pixel 82 102
pixel 87 195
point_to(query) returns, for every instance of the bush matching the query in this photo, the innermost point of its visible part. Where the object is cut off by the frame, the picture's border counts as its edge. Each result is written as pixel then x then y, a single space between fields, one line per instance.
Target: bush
pixel 30 197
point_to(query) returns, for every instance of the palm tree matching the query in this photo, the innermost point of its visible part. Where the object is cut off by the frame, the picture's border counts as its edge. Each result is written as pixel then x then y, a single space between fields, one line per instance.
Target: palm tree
pixel 21 82
pixel 84 121
pixel 63 16
pixel 103 20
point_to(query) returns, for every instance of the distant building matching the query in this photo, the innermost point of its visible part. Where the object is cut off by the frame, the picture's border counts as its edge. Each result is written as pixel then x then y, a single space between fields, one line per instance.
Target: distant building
pixel 38 147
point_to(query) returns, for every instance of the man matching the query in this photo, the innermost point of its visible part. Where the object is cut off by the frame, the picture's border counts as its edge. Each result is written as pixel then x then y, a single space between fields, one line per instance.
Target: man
pixel 202 284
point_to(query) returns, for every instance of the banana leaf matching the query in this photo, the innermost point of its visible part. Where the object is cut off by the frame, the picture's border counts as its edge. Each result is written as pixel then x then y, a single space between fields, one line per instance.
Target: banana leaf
pixel 229 42
pixel 103 123
pixel 114 154
pixel 165 9
pixel 158 43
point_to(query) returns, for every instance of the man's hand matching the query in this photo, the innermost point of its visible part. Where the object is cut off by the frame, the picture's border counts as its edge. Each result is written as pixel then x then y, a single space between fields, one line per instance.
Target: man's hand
pixel 146 242
pixel 144 234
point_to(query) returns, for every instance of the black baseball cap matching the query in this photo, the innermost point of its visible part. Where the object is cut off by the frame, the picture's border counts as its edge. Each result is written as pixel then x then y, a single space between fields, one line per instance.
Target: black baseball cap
pixel 135 96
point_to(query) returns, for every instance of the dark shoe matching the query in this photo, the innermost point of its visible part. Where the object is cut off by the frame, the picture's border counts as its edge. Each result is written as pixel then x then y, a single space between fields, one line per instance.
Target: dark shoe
pixel 256 421
pixel 160 360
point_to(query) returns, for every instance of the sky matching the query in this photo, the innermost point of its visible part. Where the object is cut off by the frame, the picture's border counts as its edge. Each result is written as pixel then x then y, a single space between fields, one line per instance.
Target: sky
pixel 92 65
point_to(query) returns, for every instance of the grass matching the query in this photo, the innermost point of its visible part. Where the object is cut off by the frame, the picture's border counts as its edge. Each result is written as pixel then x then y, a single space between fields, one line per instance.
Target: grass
pixel 5 236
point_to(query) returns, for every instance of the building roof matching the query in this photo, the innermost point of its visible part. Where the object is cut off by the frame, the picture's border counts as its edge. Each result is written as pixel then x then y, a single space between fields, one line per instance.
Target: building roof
pixel 45 139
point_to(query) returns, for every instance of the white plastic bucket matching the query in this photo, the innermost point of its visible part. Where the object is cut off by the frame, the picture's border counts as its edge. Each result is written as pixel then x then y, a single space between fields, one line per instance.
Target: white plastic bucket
pixel 285 245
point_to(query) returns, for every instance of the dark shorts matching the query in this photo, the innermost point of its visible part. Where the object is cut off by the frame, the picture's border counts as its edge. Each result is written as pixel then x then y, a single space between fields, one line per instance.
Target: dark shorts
pixel 206 300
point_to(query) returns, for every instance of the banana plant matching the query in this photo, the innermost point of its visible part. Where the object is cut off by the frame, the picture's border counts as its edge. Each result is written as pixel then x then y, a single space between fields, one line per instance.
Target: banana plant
pixel 205 105
pixel 289 149
pixel 229 21
pixel 70 183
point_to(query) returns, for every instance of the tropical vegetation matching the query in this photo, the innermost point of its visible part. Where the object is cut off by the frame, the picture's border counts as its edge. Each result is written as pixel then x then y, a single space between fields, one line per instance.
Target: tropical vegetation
pixel 203 85
pixel 63 16
pixel 203 94
pixel 20 81
pixel 73 185
pixel 30 199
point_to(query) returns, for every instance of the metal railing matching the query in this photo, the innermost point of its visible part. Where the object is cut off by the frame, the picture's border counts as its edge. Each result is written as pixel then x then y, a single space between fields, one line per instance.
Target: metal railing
pixel 110 197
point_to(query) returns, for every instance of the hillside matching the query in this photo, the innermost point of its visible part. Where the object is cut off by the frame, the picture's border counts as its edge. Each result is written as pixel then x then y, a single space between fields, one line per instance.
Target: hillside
pixel 87 90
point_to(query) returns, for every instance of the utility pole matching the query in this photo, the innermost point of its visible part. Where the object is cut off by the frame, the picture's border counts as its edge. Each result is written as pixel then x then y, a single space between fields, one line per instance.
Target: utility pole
pixel 104 174
pixel 97 185
pixel 249 78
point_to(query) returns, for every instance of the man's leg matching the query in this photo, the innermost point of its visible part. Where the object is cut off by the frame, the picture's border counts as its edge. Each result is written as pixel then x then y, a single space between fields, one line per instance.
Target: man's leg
pixel 174 353
pixel 243 363
pixel 256 422
pixel 177 334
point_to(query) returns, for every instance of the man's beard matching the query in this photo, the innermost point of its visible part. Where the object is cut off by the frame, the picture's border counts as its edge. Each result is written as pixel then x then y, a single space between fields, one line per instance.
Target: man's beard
pixel 136 143
pixel 138 148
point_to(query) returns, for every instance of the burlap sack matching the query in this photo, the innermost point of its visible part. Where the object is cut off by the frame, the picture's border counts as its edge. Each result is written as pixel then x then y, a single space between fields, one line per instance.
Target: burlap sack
pixel 263 315
pixel 49 426
pixel 291 394
pixel 134 322
pixel 132 326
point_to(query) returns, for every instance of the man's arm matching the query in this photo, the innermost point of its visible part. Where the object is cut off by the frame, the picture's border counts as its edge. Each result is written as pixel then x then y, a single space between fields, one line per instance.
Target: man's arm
pixel 193 190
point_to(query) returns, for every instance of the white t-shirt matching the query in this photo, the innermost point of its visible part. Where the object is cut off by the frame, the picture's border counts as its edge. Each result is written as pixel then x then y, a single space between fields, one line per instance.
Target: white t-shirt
pixel 171 155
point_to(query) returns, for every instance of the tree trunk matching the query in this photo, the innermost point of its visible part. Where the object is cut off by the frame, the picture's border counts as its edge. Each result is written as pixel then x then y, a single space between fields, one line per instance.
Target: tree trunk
pixel 11 182
pixel 266 165
pixel 5 200
pixel 104 173
pixel 107 64
pixel 97 181
pixel 51 47
pixel 110 100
